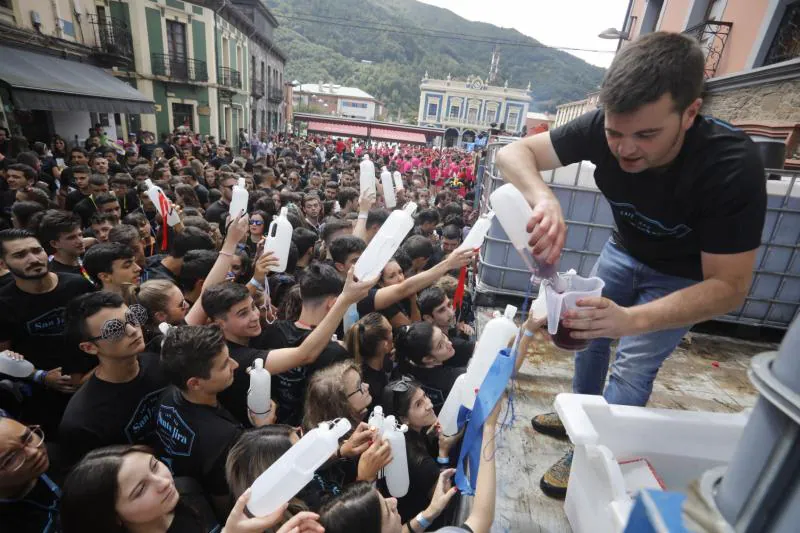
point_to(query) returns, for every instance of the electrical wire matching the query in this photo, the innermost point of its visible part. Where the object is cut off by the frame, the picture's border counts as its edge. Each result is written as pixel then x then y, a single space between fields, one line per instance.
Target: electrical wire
pixel 442 34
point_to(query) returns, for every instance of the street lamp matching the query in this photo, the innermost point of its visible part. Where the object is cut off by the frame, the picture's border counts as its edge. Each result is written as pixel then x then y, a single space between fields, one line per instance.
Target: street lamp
pixel 613 33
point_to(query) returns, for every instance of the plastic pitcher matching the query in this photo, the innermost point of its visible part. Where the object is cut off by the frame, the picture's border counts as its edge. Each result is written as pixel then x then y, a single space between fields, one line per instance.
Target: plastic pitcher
pixel 384 245
pixel 477 233
pixel 389 197
pixel 366 176
pixel 258 395
pixel 279 239
pixel 559 302
pixel 295 468
pixel 239 199
pixel 396 472
pixel 495 336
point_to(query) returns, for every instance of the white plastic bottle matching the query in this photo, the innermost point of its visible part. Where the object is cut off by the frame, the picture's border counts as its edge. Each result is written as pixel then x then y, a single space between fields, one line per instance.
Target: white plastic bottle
pixel 376 419
pixel 513 212
pixel 389 197
pixel 448 416
pixel 410 208
pixel 398 180
pixel 279 239
pixel 295 468
pixel 239 199
pixel 396 472
pixel 258 395
pixel 14 367
pixel 477 233
pixel 366 175
pixel 156 196
pixel 495 336
pixel 385 243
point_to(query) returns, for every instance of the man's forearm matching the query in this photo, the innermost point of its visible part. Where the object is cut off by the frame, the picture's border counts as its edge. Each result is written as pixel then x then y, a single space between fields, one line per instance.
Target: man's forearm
pixel 518 166
pixel 700 302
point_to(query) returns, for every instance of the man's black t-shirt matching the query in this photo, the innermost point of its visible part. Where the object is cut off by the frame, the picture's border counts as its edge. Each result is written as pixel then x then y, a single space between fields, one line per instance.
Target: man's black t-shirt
pixel 155 269
pixel 57 266
pixel 103 413
pixel 289 388
pixel 436 381
pixel 85 209
pixel 234 398
pixel 218 212
pixel 36 512
pixel 73 199
pixel 197 439
pixel 711 198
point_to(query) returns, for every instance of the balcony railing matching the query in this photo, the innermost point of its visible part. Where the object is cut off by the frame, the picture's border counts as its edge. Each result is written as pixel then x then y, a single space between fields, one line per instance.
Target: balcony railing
pixel 257 88
pixel 229 77
pixel 464 122
pixel 179 68
pixel 112 40
pixel 275 95
pixel 712 36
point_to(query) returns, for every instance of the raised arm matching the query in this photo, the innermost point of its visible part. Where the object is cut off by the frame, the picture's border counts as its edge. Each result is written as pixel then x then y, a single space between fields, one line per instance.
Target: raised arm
pixel 482 514
pixel 365 203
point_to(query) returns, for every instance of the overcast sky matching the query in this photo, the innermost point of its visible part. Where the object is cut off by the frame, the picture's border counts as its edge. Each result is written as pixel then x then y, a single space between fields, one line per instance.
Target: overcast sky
pixel 572 23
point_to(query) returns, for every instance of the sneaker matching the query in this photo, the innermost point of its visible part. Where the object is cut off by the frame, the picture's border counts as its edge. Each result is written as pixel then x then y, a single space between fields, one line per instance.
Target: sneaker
pixel 549 424
pixel 554 481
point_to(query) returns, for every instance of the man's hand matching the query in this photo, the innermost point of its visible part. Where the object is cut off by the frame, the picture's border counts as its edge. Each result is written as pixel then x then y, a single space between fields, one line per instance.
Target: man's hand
pixel 466 329
pixel 366 201
pixel 547 228
pixel 358 442
pixel 237 229
pixel 459 258
pixel 378 455
pixel 599 318
pixel 55 380
pixel 355 291
pixel 266 260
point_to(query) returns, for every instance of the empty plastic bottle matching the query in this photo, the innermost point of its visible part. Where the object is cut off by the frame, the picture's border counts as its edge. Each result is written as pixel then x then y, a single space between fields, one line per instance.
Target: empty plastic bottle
pixel 376 419
pixel 16 368
pixel 389 197
pixel 396 472
pixel 295 468
pixel 398 180
pixel 459 395
pixel 366 176
pixel 162 203
pixel 239 199
pixel 478 232
pixel 513 212
pixel 279 239
pixel 384 244
pixel 495 336
pixel 258 395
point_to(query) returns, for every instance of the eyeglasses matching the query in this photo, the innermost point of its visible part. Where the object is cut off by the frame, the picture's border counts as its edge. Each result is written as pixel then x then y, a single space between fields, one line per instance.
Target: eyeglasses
pixel 256 222
pixel 32 438
pixel 359 389
pixel 114 329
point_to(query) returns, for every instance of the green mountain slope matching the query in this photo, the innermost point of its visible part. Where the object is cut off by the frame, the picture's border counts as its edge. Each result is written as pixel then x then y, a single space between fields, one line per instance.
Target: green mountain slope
pixel 331 43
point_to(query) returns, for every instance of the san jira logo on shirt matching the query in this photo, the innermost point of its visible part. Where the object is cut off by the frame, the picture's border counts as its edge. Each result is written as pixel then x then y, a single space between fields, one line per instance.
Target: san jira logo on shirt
pixel 174 433
pixel 49 324
pixel 629 214
pixel 143 422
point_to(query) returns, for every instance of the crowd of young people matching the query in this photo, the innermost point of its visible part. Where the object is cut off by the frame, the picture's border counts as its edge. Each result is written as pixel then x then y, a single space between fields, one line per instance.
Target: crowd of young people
pixel 125 425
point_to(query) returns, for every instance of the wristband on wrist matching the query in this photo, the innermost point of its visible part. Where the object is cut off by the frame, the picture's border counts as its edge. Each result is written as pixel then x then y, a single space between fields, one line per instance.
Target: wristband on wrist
pixel 38 376
pixel 255 283
pixel 528 333
pixel 362 215
pixel 443 460
pixel 423 522
pixel 229 254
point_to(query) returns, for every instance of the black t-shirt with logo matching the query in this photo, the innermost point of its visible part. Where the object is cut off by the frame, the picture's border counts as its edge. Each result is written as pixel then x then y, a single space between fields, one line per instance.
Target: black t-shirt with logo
pixel 234 398
pixel 711 198
pixel 289 388
pixel 103 413
pixel 436 381
pixel 196 438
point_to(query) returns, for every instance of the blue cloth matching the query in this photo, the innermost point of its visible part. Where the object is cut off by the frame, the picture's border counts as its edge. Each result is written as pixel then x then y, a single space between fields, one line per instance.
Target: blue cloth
pixel 628 282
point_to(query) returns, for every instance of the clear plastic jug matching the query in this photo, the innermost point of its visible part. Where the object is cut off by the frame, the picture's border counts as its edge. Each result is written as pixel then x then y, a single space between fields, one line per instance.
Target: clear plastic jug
pixel 14 367
pixel 477 232
pixel 258 395
pixel 396 472
pixel 376 419
pixel 459 395
pixel 279 239
pixel 161 202
pixel 239 199
pixel 494 337
pixel 366 176
pixel 513 212
pixel 384 245
pixel 559 302
pixel 295 468
pixel 389 197
pixel 398 180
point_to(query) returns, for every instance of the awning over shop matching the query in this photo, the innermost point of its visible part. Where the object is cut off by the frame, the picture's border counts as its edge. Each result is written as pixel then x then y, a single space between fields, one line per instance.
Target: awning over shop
pixel 49 83
pixel 387 134
pixel 345 130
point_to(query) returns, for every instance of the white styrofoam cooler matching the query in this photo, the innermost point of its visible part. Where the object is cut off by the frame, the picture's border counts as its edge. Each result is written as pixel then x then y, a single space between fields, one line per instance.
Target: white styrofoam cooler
pixel 680 445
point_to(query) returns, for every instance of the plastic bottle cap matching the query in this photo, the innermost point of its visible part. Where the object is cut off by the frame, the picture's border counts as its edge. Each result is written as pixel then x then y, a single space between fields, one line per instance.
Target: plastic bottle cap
pixel 163 327
pixel 258 363
pixel 284 211
pixel 511 311
pixel 378 410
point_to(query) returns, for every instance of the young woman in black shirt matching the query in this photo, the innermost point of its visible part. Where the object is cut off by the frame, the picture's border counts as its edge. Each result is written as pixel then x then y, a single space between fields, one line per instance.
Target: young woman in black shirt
pixel 370 343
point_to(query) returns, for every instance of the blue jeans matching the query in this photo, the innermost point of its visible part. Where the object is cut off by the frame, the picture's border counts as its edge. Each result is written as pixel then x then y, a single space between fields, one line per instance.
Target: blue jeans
pixel 638 359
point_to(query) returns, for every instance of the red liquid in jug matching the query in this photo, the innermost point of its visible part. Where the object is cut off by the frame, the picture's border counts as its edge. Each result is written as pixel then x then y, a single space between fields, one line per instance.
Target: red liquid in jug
pixel 563 340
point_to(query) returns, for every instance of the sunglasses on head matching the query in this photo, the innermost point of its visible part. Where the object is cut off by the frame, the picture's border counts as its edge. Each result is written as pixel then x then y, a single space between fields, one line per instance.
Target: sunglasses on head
pixel 114 329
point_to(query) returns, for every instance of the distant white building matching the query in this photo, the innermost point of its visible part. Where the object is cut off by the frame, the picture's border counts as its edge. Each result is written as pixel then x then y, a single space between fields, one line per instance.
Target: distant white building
pixel 332 99
pixel 572 110
pixel 466 108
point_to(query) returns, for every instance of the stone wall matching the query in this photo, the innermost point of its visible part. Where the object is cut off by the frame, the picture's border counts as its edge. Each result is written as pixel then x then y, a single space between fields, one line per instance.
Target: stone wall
pixel 773 102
